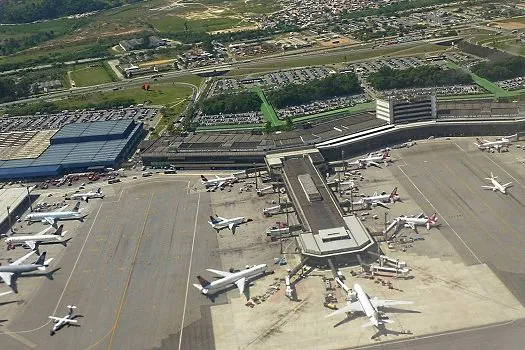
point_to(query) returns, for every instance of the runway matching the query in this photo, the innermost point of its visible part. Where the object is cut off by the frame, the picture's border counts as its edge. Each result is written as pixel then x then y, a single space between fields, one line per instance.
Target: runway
pixel 130 269
pixel 482 225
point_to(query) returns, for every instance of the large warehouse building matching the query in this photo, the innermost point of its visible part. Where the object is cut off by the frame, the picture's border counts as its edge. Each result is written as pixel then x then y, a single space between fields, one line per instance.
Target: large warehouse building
pixel 78 147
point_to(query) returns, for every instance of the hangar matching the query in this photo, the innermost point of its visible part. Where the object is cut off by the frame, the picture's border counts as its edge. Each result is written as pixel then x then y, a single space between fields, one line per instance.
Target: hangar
pixel 78 147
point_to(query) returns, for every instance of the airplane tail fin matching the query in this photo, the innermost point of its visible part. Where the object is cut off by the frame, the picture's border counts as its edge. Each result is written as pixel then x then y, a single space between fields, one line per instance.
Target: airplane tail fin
pixel 213 220
pixel 99 190
pixel 41 259
pixel 385 155
pixel 433 218
pixel 393 193
pixel 60 231
pixel 77 206
pixel 203 178
pixel 203 282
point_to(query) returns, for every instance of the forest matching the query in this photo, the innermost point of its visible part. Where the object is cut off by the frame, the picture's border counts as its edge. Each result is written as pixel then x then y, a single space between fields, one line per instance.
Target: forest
pixel 14 11
pixel 387 78
pixel 509 68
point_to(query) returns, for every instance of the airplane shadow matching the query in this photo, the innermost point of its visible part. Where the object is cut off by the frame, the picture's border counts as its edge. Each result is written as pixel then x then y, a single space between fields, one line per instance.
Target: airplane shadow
pixel 349 317
pixel 383 331
pixel 14 284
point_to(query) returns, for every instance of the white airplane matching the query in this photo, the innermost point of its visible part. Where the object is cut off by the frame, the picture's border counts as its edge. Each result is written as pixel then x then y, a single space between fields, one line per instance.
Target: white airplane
pixel 218 182
pixel 380 199
pixel 219 223
pixel 369 307
pixel 16 267
pixel 33 241
pixel 420 220
pixel 88 195
pixel 504 142
pixel 372 159
pixel 238 278
pixel 496 186
pixel 52 217
pixel 350 183
pixel 62 321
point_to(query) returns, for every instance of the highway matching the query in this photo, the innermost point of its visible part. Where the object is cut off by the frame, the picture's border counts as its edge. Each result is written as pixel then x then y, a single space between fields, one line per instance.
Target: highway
pixel 353 49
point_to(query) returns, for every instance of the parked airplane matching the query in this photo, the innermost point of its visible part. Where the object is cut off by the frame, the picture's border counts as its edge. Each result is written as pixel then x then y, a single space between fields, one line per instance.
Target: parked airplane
pixel 219 223
pixel 372 159
pixel 33 241
pixel 218 182
pixel 88 195
pixel 17 268
pixel 380 199
pixel 496 186
pixel 497 145
pixel 238 278
pixel 368 306
pixel 62 321
pixel 52 217
pixel 420 220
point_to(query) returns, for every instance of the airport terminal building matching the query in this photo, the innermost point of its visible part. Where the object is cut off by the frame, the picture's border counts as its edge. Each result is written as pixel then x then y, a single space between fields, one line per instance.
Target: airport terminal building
pixel 75 147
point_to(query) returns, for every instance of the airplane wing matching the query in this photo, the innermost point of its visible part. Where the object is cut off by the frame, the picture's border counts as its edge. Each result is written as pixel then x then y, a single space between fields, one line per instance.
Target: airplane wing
pixel 222 183
pixel 62 209
pixel 411 225
pixel 507 184
pixel 219 272
pixel 374 164
pixel 84 198
pixel 43 232
pixel 22 259
pixel 240 284
pixel 231 226
pixel 31 244
pixel 380 204
pixel 488 187
pixel 382 303
pixel 5 293
pixel 51 221
pixel 63 319
pixel 350 307
pixel 6 277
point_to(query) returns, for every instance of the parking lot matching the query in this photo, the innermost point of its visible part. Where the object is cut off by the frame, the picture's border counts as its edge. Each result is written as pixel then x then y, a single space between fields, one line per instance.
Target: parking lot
pixel 56 121
pixel 274 79
pixel 237 119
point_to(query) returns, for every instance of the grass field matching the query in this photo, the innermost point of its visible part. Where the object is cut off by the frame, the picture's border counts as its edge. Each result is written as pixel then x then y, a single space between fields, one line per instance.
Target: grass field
pixel 361 107
pixel 160 94
pixel 90 76
pixel 267 109
pixel 349 56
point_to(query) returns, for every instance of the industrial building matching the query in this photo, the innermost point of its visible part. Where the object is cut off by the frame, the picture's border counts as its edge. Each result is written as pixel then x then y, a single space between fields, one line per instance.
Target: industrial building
pixel 78 147
pixel 405 110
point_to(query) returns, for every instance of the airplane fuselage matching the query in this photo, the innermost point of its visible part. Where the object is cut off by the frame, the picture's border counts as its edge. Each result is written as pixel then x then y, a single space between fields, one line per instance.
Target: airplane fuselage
pixel 226 223
pixel 369 310
pixel 39 238
pixel 19 268
pixel 62 215
pixel 89 195
pixel 227 281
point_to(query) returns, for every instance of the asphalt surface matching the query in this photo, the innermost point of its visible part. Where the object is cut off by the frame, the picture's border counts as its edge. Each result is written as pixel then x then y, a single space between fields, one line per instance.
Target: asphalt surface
pixel 508 336
pixel 483 226
pixel 130 270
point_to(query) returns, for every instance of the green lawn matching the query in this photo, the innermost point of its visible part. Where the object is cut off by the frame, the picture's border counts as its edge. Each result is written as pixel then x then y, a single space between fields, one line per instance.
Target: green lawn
pixel 177 23
pixel 267 109
pixel 90 76
pixel 348 110
pixel 159 94
pixel 349 56
pixel 484 83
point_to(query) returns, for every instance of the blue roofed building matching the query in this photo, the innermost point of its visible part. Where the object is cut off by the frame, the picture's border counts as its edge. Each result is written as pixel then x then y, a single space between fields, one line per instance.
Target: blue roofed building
pixel 79 147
